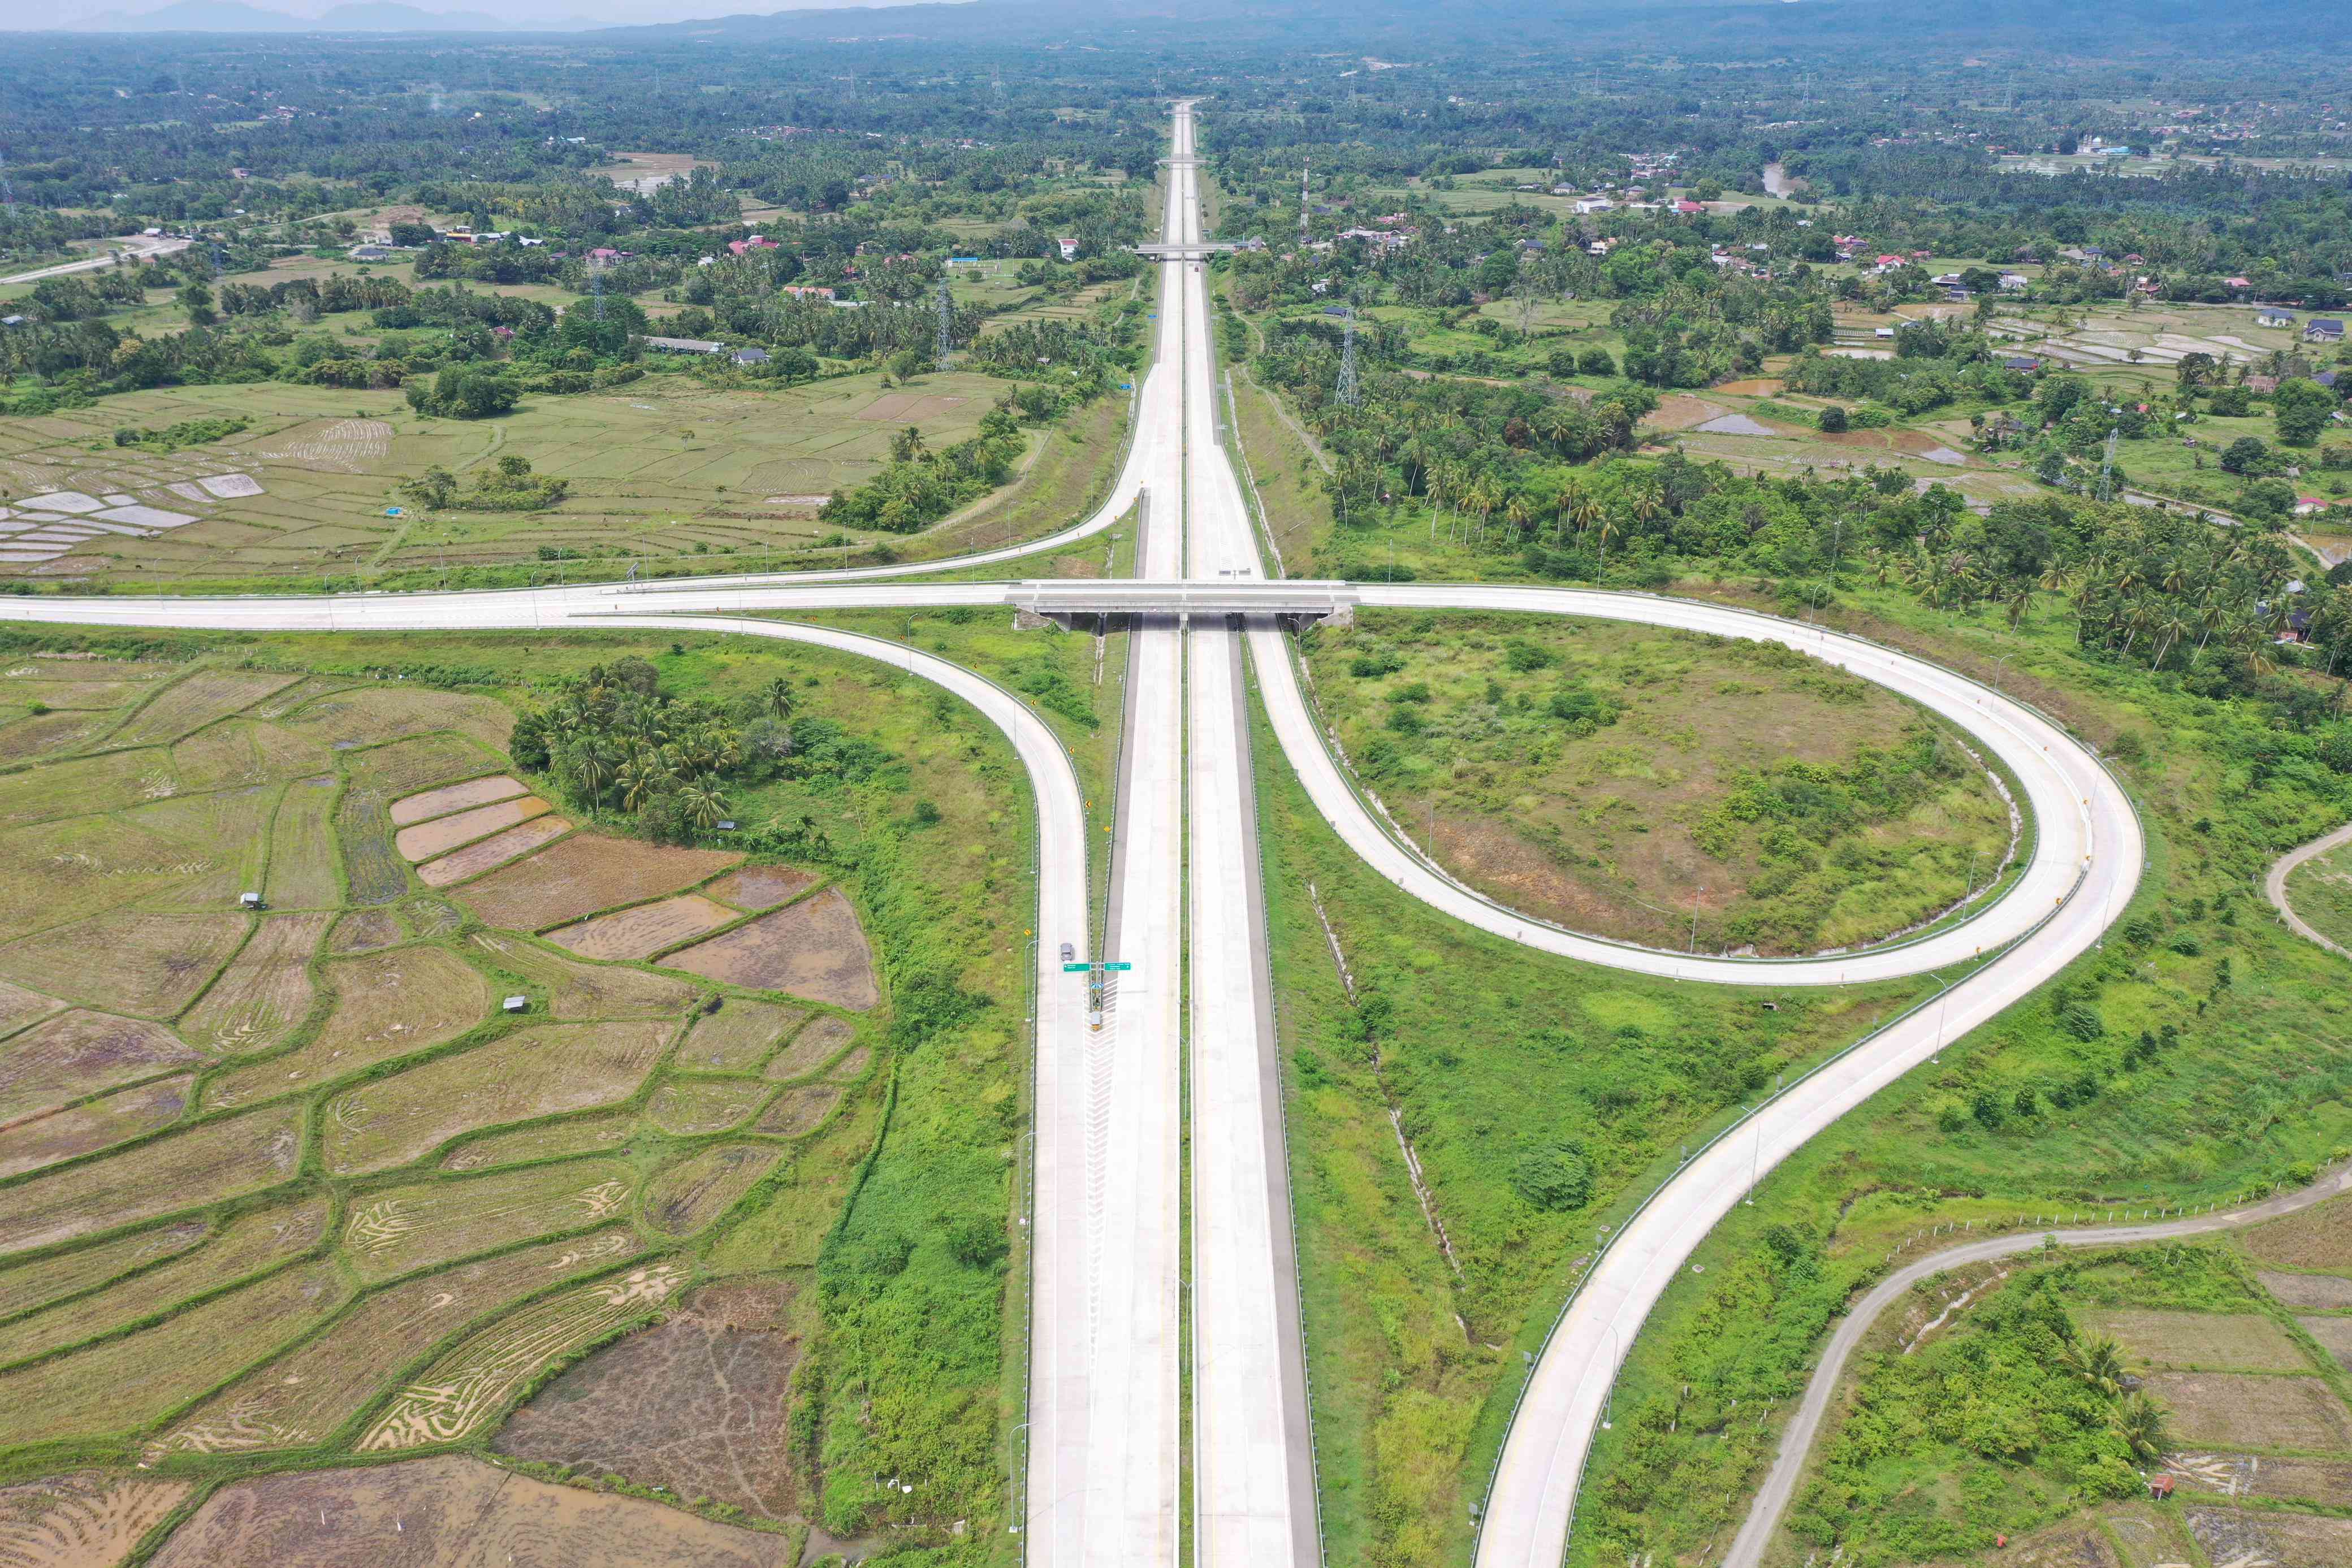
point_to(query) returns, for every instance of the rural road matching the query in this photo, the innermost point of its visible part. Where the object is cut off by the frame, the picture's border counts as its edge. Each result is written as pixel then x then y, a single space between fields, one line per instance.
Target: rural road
pixel 139 247
pixel 1106 1460
pixel 2274 884
pixel 1748 1548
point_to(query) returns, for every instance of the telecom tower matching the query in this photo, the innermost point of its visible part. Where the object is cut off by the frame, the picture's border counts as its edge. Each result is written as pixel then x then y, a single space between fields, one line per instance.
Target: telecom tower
pixel 1349 395
pixel 1303 169
pixel 596 284
pixel 947 317
pixel 2107 466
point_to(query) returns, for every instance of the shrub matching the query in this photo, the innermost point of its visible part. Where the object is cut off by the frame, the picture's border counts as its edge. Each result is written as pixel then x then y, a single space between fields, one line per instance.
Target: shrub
pixel 1553 1176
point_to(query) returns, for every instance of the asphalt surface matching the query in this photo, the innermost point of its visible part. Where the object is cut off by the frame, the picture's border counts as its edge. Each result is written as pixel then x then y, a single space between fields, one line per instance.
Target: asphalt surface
pixel 1105 1468
pixel 1797 1439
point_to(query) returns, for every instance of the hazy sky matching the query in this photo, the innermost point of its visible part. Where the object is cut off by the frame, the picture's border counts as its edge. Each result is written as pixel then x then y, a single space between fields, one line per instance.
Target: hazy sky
pixel 599 12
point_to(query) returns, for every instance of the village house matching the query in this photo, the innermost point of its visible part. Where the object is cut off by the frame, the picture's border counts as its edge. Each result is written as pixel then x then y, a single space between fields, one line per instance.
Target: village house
pixel 2274 316
pixel 2323 329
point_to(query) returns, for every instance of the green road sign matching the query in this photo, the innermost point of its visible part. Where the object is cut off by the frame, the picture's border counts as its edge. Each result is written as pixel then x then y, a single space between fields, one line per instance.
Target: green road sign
pixel 1076 968
pixel 1119 965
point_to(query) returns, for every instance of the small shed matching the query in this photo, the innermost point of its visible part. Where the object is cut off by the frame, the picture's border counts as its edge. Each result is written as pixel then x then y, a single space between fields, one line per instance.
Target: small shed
pixel 248 901
pixel 515 1005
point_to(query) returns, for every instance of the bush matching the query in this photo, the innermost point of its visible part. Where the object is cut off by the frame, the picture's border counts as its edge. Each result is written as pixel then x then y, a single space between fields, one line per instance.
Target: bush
pixel 1832 420
pixel 1553 1176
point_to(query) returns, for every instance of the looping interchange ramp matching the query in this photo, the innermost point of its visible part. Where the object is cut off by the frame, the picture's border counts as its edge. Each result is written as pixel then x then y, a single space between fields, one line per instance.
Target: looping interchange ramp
pixel 1161 1225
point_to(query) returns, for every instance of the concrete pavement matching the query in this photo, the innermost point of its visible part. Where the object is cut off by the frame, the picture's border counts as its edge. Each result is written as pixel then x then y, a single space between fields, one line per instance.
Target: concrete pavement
pixel 1253 1471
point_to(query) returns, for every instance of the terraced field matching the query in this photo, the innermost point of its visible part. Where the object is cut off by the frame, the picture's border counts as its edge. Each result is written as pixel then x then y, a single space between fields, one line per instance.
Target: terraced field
pixel 288 1180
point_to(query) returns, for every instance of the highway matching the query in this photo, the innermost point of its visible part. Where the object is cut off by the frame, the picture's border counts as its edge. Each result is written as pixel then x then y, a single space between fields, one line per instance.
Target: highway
pixel 1186 1052
pixel 1252 1477
pixel 136 248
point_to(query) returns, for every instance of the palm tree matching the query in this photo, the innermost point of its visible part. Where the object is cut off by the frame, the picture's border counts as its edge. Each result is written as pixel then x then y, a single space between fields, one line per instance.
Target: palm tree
pixel 2097 1362
pixel 776 696
pixel 593 764
pixel 2175 626
pixel 1518 512
pixel 704 805
pixel 1608 532
pixel 638 777
pixel 2143 1426
pixel 1482 500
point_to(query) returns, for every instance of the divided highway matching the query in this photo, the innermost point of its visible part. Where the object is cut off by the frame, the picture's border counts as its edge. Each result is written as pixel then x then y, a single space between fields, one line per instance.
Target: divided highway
pixel 1189 1031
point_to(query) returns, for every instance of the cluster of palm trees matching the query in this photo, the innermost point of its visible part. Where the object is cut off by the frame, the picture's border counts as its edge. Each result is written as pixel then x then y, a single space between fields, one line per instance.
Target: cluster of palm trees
pixel 630 746
pixel 2153 592
pixel 2096 1362
pixel 2151 586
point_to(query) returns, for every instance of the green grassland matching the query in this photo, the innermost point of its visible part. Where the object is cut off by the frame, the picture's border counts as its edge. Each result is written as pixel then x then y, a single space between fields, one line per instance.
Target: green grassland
pixel 1658 788
pixel 892 1204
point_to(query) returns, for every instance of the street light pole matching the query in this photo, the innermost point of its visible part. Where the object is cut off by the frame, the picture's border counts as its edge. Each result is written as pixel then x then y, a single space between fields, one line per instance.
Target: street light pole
pixel 1693 935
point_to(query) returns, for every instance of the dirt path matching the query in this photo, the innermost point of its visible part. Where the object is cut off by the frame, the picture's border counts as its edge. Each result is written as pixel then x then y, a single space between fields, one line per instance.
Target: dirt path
pixel 1797 1442
pixel 2274 884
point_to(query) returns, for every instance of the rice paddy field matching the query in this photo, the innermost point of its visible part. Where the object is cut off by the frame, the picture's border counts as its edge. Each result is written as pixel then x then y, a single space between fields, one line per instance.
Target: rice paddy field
pixel 659 470
pixel 287 1186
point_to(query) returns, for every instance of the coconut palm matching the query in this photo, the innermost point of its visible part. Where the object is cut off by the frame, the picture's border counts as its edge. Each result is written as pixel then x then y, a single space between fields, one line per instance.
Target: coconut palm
pixel 2143 1426
pixel 704 805
pixel 592 764
pixel 2097 1362
pixel 776 696
pixel 638 779
pixel 1518 511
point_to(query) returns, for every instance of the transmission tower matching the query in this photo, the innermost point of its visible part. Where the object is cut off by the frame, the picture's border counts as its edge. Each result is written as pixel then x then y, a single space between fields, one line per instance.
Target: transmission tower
pixel 596 286
pixel 1349 394
pixel 1303 170
pixel 2107 467
pixel 947 317
pixel 7 191
pixel 996 82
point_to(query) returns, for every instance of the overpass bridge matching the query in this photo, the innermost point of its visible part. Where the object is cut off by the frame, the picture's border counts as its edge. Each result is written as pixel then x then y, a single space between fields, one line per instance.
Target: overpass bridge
pixel 1184 597
pixel 1198 250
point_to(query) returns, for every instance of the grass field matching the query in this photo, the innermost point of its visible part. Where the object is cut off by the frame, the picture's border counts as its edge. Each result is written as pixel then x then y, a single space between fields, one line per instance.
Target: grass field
pixel 1671 822
pixel 356 1210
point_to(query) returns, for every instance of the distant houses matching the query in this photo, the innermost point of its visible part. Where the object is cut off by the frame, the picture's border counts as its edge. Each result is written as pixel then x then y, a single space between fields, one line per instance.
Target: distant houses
pixel 2323 329
pixel 2274 316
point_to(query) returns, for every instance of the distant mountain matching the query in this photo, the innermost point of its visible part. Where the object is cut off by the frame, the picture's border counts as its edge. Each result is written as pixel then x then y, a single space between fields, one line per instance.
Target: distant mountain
pixel 362 16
